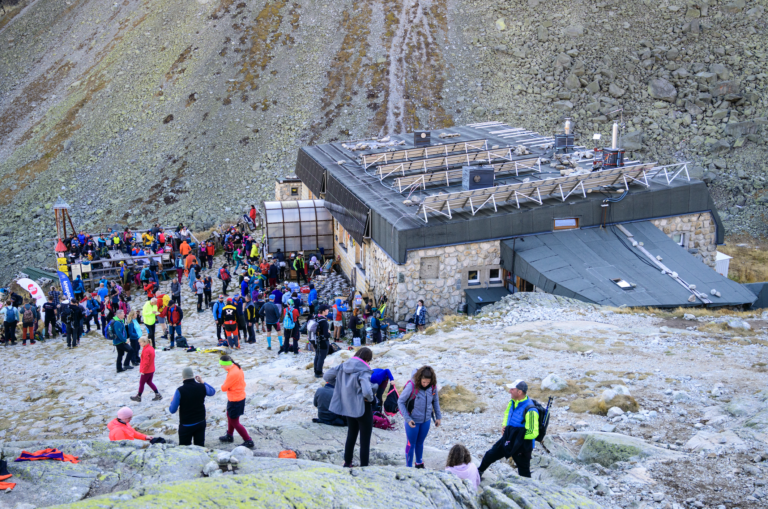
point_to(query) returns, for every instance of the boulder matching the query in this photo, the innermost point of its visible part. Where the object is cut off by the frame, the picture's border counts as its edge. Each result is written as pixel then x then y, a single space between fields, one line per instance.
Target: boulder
pixel 605 448
pixel 572 82
pixel 708 441
pixel 553 382
pixel 632 140
pixel 520 493
pixel 614 412
pixel 662 89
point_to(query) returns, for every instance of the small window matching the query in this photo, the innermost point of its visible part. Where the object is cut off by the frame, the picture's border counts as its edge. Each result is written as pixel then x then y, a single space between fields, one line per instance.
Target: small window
pixel 624 285
pixel 294 191
pixel 569 223
pixel 494 275
pixel 681 239
pixel 473 277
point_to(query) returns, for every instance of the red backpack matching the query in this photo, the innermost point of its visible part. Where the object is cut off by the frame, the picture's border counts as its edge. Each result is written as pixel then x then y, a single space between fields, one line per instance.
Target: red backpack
pixel 380 421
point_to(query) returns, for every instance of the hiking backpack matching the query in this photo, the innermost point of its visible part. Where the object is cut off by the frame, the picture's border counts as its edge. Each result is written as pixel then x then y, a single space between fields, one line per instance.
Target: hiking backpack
pixel 543 417
pixel 288 322
pixel 111 331
pixel 380 421
pixel 390 402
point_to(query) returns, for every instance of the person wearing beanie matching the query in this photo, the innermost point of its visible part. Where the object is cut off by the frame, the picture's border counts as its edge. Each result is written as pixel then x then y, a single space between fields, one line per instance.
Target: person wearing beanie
pixel 521 428
pixel 189 401
pixel 234 386
pixel 120 428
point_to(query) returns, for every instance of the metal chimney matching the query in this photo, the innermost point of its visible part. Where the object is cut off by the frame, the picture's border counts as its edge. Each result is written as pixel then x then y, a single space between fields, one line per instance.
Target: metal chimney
pixel 567 128
pixel 615 136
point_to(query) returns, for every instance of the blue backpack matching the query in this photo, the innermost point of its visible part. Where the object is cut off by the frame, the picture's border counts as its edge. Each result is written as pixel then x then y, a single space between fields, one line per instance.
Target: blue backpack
pixel 288 320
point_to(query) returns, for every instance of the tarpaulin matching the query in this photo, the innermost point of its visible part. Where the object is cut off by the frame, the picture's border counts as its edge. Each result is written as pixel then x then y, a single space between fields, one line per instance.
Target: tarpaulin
pixel 47 454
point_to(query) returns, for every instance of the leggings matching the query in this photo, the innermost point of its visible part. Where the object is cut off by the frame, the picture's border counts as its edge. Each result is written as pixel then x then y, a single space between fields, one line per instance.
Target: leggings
pixel 416 437
pixel 364 426
pixel 146 378
pixel 234 424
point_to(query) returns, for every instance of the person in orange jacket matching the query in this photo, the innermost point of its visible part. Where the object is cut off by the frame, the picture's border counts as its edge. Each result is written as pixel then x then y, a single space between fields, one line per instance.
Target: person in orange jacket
pixel 211 250
pixel 185 249
pixel 120 428
pixel 234 386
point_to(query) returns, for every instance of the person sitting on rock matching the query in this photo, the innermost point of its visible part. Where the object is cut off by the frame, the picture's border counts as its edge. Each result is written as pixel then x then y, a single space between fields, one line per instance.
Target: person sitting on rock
pixel 322 401
pixel 460 464
pixel 520 429
pixel 120 428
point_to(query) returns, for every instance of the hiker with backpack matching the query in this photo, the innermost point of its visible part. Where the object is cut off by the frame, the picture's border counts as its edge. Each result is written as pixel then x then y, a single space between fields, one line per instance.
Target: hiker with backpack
pixel 29 316
pixel 119 336
pixel 211 250
pixel 217 309
pixel 353 398
pixel 322 339
pixel 93 307
pixel 150 313
pixel 228 321
pixel 10 323
pixel 520 428
pixel 418 401
pixel 174 315
pixel 146 370
pixel 71 316
pixel 251 314
pixel 176 292
pixel 234 386
pixel 207 288
pixel 338 322
pixel 292 329
pixel 225 277
pixel 271 314
pixel 199 288
pixel 50 313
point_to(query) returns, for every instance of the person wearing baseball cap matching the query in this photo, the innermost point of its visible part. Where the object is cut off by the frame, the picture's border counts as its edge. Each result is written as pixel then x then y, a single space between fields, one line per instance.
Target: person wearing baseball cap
pixel 520 429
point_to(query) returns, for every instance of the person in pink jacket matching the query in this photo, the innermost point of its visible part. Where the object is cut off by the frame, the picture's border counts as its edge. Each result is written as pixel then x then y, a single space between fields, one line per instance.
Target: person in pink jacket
pixel 460 464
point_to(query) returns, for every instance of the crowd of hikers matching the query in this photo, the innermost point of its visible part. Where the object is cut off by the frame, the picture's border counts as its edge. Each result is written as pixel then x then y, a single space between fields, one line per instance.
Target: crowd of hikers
pixel 256 298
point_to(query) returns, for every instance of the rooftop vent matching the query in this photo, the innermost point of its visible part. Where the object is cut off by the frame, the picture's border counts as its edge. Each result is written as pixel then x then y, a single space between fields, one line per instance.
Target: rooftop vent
pixel 477 177
pixel 422 138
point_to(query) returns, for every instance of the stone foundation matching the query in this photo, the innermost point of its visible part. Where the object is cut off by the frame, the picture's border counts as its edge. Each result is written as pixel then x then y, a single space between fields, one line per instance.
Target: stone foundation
pixel 284 190
pixel 700 232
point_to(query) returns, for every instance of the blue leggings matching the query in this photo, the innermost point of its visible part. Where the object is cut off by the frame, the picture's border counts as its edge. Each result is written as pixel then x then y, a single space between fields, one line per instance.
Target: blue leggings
pixel 416 437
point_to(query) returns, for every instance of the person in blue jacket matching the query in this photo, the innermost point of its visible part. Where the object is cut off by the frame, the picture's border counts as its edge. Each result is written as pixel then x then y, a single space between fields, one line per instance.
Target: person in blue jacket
pixel 381 377
pixel 244 286
pixel 78 288
pixel 217 309
pixel 311 299
pixel 420 316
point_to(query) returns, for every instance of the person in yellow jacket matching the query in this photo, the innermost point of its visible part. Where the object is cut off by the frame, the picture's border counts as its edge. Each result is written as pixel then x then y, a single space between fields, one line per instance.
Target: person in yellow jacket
pixel 298 266
pixel 254 251
pixel 150 313
pixel 520 429
pixel 147 238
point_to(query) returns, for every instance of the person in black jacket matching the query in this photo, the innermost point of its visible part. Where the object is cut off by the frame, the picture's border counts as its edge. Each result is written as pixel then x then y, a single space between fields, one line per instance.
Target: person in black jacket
pixel 71 315
pixel 251 314
pixel 189 400
pixel 323 398
pixel 323 336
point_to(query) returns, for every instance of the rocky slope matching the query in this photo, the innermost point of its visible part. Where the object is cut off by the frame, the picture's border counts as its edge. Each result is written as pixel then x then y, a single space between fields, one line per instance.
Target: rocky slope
pixel 187 110
pixel 667 409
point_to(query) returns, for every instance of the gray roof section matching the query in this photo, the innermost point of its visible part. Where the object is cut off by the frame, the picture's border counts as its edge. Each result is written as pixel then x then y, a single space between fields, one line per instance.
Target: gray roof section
pixel 397 228
pixel 761 291
pixel 581 264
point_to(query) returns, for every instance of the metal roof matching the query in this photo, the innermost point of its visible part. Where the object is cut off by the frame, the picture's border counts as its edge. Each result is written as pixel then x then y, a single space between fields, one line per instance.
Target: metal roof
pixel 593 264
pixel 368 204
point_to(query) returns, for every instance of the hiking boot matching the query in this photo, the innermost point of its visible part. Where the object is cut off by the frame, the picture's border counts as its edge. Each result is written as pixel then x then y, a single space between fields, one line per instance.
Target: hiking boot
pixel 119 370
pixel 227 438
pixel 157 397
pixel 249 444
pixel 32 342
pixel 269 348
pixel 127 367
pixel 24 343
pixel 419 465
pixel 136 398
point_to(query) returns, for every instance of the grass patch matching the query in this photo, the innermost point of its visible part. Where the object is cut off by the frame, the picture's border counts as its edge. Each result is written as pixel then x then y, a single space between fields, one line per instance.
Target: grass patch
pixel 572 388
pixel 448 324
pixel 679 312
pixel 459 399
pixel 749 265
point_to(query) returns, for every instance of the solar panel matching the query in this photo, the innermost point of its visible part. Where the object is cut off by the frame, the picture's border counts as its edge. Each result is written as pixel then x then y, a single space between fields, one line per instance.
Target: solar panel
pixel 446 162
pixel 536 191
pixel 377 158
pixel 449 176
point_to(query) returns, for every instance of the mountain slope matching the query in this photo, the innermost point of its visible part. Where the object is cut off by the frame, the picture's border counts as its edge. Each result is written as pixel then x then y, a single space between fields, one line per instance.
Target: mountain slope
pixel 187 110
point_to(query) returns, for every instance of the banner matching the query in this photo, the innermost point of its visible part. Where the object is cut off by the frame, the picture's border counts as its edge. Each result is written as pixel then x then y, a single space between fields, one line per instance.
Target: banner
pixel 34 290
pixel 66 286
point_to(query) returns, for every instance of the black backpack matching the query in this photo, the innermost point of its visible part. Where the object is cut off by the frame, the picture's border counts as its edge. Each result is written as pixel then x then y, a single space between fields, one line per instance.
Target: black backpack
pixel 181 342
pixel 543 417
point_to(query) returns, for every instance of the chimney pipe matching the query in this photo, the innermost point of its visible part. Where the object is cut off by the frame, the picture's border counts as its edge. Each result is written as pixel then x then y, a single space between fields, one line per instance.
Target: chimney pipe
pixel 567 128
pixel 615 137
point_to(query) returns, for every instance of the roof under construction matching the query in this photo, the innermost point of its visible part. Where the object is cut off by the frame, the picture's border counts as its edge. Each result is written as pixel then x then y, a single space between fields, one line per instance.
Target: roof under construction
pixel 406 197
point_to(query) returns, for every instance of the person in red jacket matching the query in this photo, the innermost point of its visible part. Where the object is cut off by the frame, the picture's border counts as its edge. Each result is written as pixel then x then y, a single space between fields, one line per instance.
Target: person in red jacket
pixel 211 250
pixel 120 428
pixel 147 370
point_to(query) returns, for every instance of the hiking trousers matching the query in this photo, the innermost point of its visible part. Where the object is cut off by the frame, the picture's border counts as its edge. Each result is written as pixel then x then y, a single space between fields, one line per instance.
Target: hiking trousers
pixel 51 321
pixel 416 437
pixel 123 349
pixel 320 355
pixel 188 433
pixel 363 426
pixel 151 333
pixel 522 459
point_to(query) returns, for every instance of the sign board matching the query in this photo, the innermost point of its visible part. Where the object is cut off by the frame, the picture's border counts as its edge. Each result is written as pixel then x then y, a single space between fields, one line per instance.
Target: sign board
pixel 430 267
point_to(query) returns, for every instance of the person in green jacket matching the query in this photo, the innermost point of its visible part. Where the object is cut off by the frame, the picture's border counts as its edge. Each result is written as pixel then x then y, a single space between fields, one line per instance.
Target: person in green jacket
pixel 237 257
pixel 298 266
pixel 520 429
pixel 149 313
